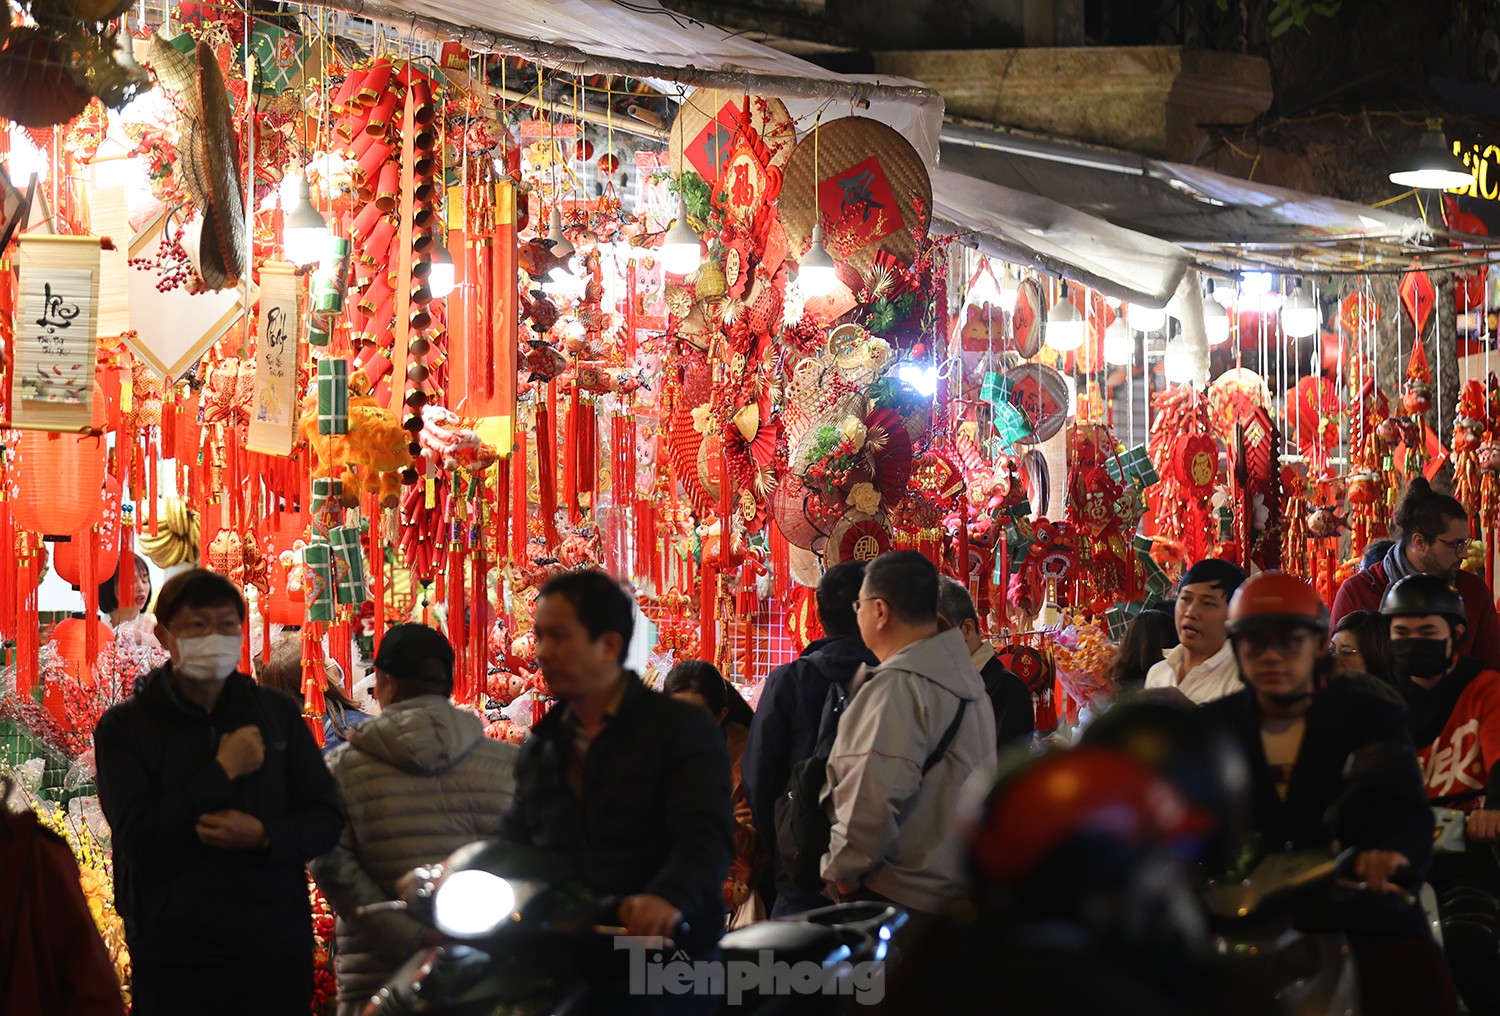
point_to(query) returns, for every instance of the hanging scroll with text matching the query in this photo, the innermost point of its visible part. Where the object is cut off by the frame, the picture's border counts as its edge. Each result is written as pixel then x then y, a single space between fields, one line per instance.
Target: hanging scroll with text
pixel 52 377
pixel 273 416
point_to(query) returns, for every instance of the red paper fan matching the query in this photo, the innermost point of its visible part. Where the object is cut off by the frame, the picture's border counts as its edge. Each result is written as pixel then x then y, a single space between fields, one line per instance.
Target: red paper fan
pixel 683 439
pixel 893 462
pixel 856 536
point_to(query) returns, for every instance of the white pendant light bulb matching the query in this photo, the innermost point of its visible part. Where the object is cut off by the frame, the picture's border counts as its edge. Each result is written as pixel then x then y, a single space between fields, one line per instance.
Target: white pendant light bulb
pixel 1299 315
pixel 304 231
pixel 1119 343
pixel 1215 323
pixel 441 279
pixel 681 249
pixel 1064 331
pixel 1177 364
pixel 1145 319
pixel 816 275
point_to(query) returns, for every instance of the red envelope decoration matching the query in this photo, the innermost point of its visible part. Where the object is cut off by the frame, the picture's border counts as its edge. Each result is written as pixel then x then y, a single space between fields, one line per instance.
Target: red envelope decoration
pixel 1418 297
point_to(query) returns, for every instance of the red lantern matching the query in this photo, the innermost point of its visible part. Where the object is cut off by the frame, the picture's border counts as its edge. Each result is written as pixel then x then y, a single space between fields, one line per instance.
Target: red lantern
pixel 65 556
pixel 58 477
pixel 71 636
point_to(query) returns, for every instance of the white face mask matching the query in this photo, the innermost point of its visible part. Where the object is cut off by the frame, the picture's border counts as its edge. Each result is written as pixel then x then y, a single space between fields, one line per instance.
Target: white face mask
pixel 209 657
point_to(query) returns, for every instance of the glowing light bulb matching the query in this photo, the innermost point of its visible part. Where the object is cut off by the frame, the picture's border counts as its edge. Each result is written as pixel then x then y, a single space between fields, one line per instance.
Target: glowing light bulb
pixel 681 249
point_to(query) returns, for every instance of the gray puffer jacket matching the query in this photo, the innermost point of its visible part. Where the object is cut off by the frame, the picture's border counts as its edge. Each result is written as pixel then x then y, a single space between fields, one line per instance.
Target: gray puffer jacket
pixel 416 783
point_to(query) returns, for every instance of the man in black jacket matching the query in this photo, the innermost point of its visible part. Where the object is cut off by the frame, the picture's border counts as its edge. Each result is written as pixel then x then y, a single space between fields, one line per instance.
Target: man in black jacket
pixel 216 796
pixel 1015 715
pixel 785 728
pixel 1299 731
pixel 631 785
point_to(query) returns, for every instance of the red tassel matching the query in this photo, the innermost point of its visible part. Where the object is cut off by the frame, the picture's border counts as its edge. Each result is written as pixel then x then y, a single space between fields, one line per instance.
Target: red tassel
pixel 781 563
pixel 520 547
pixel 546 465
pixel 572 447
pixel 457 634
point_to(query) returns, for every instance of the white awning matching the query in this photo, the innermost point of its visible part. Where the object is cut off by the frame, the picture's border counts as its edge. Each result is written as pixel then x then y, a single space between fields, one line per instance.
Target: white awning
pixel 1025 229
pixel 648 42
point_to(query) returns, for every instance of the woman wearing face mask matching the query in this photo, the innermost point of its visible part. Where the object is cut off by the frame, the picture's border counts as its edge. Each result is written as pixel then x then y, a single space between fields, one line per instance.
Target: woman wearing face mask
pixel 1454 711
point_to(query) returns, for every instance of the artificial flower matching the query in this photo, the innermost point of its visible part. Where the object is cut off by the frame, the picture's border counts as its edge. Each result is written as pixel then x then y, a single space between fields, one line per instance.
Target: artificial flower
pixel 854 430
pixel 864 497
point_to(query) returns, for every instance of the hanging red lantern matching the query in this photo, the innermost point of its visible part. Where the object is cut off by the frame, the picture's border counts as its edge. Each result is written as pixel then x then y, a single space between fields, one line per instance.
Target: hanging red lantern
pixel 65 556
pixel 71 637
pixel 56 479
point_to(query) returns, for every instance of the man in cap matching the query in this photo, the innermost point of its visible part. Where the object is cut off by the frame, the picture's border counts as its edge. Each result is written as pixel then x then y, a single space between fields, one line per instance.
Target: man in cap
pixel 416 783
pixel 1202 665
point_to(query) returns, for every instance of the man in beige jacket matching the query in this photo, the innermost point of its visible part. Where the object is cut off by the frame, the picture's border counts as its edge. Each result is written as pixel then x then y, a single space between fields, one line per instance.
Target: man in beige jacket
pixel 918 724
pixel 416 783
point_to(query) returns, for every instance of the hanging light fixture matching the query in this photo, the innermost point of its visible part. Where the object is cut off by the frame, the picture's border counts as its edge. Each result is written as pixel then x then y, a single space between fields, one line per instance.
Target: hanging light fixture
pixel 1433 166
pixel 1215 322
pixel 1119 343
pixel 304 231
pixel 1064 331
pixel 1300 316
pixel 1145 319
pixel 681 250
pixel 1177 362
pixel 816 274
pixel 441 278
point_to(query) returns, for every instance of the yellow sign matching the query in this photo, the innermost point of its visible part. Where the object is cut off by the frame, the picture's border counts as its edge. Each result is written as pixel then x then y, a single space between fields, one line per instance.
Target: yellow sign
pixel 1484 162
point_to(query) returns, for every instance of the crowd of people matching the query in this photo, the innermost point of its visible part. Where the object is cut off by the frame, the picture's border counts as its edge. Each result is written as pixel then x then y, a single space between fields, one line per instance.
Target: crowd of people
pixel 1022 864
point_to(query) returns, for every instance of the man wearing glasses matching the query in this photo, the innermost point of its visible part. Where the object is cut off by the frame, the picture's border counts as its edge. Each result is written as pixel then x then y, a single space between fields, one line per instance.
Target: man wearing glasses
pixel 216 796
pixel 1299 731
pixel 1435 536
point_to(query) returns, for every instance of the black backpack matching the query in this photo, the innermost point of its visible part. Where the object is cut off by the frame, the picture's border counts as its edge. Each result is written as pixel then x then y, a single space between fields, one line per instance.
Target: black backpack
pixel 803 829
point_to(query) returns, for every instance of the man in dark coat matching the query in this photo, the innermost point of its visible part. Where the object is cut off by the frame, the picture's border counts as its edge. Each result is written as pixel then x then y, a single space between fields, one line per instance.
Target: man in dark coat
pixel 216 796
pixel 632 786
pixel 1299 732
pixel 1015 716
pixel 785 728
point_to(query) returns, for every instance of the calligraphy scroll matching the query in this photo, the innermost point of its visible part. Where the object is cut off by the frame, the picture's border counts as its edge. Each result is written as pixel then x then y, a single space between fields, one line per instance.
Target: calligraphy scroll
pixel 273 415
pixel 53 372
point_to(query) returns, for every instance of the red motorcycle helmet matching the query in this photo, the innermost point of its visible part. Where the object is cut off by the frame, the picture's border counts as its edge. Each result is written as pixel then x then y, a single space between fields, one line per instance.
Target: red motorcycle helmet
pixel 1085 793
pixel 1274 600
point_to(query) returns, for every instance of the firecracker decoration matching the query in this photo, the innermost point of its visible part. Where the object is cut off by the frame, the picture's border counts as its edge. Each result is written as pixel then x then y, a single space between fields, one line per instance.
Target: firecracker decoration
pixel 1183 450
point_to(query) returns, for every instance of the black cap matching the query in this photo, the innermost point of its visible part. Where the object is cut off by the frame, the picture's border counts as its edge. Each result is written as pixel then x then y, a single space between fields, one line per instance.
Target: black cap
pixel 416 653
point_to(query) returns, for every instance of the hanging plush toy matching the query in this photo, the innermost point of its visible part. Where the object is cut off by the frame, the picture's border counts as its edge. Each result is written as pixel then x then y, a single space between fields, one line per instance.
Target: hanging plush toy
pixel 374 455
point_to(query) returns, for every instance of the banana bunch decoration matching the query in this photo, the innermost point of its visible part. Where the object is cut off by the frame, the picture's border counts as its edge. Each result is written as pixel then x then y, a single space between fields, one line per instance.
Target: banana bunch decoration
pixel 177 535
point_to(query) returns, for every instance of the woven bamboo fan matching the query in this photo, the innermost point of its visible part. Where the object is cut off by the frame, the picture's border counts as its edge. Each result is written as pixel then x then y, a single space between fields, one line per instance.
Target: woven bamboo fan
pixel 704 133
pixel 215 158
pixel 872 191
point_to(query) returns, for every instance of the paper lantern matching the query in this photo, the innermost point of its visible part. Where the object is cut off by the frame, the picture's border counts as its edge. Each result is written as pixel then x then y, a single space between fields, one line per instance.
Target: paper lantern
pixel 71 637
pixel 65 556
pixel 58 478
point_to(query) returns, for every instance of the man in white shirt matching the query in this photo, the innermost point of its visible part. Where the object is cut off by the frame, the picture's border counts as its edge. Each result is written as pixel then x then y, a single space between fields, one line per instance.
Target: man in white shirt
pixel 1202 666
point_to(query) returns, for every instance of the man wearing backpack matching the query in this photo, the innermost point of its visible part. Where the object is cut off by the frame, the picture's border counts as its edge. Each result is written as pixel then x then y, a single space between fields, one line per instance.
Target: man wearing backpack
pixel 785 729
pixel 912 733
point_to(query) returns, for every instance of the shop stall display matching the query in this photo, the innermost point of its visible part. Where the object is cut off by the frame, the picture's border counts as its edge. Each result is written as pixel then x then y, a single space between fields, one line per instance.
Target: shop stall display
pixel 386 329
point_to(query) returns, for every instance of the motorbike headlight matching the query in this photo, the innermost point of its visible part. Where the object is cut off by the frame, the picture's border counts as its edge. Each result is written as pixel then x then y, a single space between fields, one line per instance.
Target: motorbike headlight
pixel 472 903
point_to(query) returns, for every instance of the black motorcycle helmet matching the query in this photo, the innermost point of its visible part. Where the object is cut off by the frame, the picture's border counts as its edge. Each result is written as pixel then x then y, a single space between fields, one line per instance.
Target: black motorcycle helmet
pixel 1201 760
pixel 1420 595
